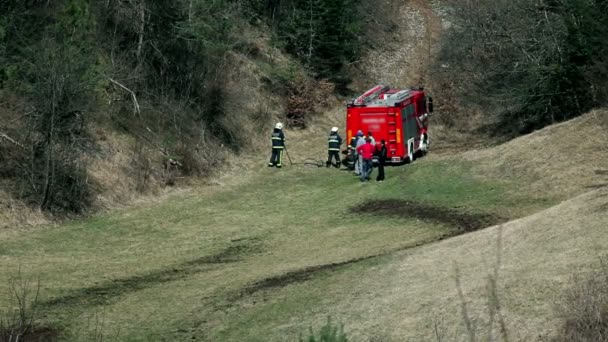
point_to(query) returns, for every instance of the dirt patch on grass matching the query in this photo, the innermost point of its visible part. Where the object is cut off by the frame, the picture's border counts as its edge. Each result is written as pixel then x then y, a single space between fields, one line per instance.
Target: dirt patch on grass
pixel 307 273
pixel 32 334
pixel 455 217
pixel 300 275
pixel 103 294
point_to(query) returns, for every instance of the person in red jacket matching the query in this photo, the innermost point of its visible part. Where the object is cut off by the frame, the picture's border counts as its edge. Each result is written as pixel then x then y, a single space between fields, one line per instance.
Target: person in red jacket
pixel 367 154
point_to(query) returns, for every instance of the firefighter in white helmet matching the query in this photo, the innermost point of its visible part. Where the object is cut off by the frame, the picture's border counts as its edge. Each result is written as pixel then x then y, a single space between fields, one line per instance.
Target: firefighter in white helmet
pixel 333 150
pixel 278 144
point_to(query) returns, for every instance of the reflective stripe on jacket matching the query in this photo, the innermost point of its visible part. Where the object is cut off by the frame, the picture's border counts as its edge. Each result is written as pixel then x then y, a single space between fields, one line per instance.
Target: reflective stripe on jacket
pixel 334 142
pixel 278 139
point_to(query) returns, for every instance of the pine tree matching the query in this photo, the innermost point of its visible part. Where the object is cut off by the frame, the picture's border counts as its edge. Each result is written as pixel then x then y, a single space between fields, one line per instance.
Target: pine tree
pixel 323 34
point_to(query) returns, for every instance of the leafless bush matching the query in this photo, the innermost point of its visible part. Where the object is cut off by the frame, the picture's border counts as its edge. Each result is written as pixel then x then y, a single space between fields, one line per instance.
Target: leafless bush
pixel 524 64
pixel 306 97
pixel 191 162
pixel 95 330
pixel 12 159
pixel 141 167
pixel 19 320
pixel 584 308
pixel 199 158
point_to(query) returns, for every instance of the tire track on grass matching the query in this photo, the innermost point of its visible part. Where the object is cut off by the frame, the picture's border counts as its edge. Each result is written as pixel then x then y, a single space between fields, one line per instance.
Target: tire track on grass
pixel 465 222
pixel 108 292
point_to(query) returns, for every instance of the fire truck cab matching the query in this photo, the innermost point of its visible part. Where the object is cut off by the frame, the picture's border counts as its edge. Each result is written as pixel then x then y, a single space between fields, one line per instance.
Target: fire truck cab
pixel 399 116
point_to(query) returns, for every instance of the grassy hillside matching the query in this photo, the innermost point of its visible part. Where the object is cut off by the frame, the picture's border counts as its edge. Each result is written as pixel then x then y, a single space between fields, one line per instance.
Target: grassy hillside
pixel 413 294
pixel 189 256
pixel 259 254
pixel 562 160
pixel 264 257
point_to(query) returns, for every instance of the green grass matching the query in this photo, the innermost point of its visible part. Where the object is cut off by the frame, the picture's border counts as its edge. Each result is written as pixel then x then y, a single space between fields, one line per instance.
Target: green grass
pixel 179 268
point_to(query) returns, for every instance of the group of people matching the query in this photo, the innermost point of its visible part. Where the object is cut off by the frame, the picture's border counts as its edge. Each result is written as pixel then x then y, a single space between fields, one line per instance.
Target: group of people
pixel 361 150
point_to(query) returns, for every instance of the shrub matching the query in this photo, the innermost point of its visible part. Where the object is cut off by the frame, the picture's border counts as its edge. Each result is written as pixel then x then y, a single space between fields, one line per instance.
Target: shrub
pixel 584 308
pixel 306 97
pixel 328 333
pixel 18 322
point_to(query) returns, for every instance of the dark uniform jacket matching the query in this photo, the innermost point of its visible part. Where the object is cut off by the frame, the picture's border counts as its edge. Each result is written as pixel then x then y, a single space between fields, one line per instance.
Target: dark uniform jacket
pixel 334 141
pixel 353 143
pixel 278 139
pixel 382 153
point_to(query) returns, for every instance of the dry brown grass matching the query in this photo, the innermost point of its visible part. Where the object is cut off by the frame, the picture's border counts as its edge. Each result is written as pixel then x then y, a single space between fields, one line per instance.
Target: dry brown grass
pixel 15 214
pixel 562 160
pixel 402 299
pixel 404 37
pixel 584 308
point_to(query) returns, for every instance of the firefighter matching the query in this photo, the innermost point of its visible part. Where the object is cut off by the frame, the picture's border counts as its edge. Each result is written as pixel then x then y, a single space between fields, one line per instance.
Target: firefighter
pixel 382 153
pixel 366 151
pixel 333 150
pixel 278 144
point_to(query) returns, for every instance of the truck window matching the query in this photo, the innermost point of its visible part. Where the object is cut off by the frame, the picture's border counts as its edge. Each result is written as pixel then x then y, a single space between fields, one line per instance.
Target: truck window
pixel 410 128
pixel 421 105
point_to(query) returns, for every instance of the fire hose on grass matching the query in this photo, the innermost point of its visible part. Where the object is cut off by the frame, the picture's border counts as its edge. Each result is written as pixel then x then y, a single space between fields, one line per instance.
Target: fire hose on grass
pixel 306 162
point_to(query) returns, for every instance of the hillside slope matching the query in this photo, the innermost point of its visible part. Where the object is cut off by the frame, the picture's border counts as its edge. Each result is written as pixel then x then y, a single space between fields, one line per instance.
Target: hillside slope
pixel 407 295
pixel 562 160
pixel 262 256
pixel 539 256
pixel 127 163
pixel 412 293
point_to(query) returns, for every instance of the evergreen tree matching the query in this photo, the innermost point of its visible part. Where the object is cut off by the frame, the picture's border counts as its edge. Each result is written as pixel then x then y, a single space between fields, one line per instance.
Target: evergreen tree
pixel 324 34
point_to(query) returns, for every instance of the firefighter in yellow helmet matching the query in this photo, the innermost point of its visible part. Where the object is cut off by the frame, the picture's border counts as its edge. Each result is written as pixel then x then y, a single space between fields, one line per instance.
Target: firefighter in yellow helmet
pixel 278 145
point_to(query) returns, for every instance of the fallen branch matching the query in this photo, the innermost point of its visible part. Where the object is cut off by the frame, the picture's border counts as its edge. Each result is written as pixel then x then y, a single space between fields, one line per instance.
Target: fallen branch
pixel 11 140
pixel 135 103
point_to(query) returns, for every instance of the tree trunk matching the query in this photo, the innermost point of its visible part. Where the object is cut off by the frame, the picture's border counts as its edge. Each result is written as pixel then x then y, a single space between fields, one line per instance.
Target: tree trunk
pixel 142 27
pixel 49 169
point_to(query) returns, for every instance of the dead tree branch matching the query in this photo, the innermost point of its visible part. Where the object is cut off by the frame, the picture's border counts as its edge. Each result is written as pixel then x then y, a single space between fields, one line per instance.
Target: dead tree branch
pixel 135 103
pixel 11 140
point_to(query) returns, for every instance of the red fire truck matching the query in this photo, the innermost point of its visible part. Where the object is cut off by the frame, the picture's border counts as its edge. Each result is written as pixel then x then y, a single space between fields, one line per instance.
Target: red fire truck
pixel 399 116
